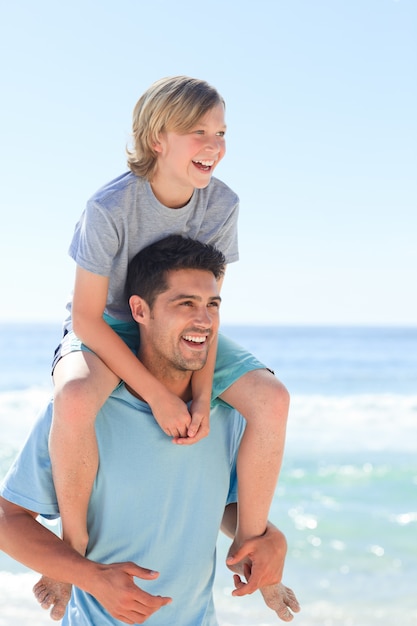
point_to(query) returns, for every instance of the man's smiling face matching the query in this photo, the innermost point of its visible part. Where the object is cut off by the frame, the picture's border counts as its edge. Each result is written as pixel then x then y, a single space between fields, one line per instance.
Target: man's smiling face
pixel 183 321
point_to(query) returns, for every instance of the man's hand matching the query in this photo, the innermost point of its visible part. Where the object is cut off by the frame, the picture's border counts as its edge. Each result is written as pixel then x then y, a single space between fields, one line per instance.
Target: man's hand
pixel 114 588
pixel 265 556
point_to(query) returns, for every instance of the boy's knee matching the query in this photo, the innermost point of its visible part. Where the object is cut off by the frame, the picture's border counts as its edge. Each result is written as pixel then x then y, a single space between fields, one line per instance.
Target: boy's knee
pixel 270 386
pixel 259 396
pixel 281 392
pixel 74 398
pixel 276 394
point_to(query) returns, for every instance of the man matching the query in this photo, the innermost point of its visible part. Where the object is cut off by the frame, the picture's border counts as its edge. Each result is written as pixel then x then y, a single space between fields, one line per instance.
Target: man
pixel 153 503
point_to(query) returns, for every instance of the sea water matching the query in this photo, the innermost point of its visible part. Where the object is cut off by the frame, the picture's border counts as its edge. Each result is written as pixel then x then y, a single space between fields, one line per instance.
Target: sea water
pixel 347 494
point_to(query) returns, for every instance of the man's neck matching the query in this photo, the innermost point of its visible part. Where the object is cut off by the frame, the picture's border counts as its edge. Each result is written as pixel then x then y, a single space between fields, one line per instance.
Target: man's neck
pixel 176 381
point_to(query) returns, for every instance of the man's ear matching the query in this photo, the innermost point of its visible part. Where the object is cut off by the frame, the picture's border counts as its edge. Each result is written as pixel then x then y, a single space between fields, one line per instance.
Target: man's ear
pixel 139 308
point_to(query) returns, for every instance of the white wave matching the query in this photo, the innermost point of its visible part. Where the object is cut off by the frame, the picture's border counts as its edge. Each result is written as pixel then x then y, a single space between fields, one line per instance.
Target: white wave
pixel 367 422
pixel 363 422
pixel 18 411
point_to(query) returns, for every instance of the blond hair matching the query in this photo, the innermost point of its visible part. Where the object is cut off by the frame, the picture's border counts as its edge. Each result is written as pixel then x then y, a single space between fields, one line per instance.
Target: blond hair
pixel 171 104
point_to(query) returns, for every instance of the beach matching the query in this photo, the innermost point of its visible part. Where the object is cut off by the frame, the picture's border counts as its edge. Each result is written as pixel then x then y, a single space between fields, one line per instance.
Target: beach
pixel 347 495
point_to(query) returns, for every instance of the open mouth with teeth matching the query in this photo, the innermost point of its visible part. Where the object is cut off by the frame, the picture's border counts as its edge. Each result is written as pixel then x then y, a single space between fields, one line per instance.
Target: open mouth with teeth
pixel 204 166
pixel 195 340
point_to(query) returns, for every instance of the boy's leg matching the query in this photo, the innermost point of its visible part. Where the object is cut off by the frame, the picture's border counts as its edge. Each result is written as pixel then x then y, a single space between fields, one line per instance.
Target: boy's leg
pixel 245 383
pixel 82 385
pixel 263 401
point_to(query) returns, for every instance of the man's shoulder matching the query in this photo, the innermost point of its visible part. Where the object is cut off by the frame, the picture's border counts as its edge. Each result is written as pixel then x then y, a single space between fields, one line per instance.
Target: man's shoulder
pixel 122 395
pixel 228 416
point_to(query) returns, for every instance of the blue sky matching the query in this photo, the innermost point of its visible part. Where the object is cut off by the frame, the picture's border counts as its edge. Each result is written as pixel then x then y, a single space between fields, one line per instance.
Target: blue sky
pixel 322 144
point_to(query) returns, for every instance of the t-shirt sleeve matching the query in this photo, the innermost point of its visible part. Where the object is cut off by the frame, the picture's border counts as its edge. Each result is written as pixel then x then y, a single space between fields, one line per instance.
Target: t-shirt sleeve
pixel 96 240
pixel 221 220
pixel 228 237
pixel 28 482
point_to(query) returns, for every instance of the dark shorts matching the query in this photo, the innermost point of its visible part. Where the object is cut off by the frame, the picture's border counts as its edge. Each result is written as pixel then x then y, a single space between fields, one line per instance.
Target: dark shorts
pixel 128 331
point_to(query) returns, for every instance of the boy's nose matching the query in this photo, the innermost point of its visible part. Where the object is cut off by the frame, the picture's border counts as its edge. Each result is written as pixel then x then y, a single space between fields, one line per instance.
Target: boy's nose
pixel 214 143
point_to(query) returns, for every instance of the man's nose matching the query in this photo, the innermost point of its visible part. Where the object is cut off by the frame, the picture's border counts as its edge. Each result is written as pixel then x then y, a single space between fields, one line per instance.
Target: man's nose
pixel 203 318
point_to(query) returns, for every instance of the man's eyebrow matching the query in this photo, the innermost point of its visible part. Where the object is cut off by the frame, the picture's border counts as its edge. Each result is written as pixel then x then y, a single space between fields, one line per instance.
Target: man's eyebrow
pixel 185 296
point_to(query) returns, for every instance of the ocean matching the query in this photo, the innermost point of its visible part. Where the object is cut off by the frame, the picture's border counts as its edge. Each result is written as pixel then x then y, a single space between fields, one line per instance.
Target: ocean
pixel 347 494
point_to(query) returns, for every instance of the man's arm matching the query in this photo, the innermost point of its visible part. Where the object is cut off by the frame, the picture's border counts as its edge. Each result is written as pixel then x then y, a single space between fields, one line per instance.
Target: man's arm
pixel 24 539
pixel 259 562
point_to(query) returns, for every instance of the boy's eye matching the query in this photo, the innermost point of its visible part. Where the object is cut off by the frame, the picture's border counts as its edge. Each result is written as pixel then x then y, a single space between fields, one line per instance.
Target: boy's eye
pixel 199 132
pixel 221 133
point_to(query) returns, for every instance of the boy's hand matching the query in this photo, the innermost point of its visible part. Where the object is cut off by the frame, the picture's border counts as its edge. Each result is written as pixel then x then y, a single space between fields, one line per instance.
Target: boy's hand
pixel 172 414
pixel 200 423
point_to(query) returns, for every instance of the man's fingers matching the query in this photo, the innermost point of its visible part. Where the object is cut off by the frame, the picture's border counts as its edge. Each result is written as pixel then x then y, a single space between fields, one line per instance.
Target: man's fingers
pixel 246 550
pixel 143 609
pixel 245 588
pixel 140 572
pixel 238 556
pixel 143 604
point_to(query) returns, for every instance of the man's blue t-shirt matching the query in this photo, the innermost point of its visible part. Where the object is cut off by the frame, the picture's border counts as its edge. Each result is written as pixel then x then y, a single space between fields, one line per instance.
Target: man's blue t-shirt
pixel 153 502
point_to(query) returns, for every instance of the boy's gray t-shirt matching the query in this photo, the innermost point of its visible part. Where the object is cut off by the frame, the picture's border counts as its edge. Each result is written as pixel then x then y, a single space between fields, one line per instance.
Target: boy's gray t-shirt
pixel 124 216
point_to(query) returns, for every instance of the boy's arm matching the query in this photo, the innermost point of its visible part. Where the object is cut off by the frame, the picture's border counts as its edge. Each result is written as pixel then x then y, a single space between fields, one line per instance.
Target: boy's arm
pixel 202 383
pixel 89 301
pixel 24 539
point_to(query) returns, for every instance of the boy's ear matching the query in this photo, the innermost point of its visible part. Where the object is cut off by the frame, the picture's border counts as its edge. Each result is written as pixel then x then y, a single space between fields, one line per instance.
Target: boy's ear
pixel 157 147
pixel 139 308
pixel 157 144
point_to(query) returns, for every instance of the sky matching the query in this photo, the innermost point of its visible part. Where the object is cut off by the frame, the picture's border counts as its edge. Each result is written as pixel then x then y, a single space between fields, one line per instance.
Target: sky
pixel 321 108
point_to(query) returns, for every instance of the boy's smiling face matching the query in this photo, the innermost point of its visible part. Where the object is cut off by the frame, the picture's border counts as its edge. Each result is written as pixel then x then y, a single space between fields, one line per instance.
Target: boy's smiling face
pixel 187 161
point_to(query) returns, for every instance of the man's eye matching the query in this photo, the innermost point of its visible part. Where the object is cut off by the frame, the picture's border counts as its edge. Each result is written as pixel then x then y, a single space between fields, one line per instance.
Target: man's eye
pixel 214 304
pixel 221 133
